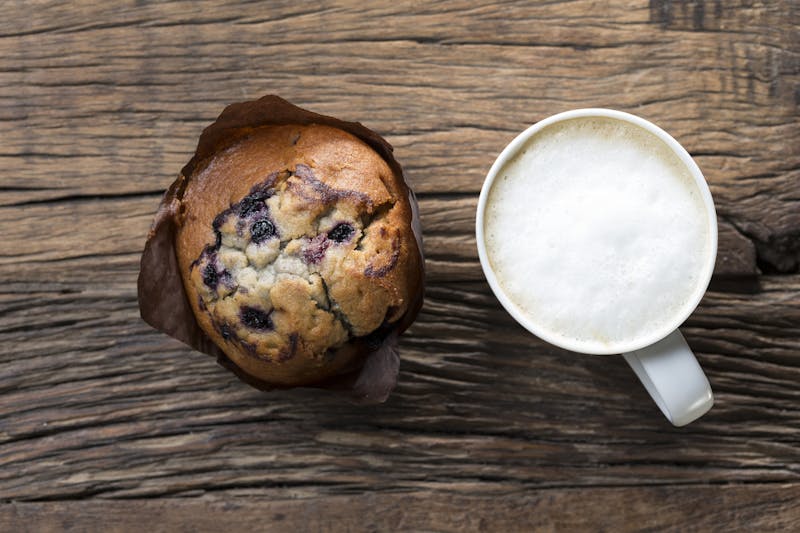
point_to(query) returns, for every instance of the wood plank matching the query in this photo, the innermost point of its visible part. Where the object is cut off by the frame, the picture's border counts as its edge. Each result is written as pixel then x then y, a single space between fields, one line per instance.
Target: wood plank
pixel 97 403
pixel 712 508
pixel 99 102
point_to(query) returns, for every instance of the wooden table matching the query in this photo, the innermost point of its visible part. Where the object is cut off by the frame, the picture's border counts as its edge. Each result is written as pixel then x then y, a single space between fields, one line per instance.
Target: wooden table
pixel 106 424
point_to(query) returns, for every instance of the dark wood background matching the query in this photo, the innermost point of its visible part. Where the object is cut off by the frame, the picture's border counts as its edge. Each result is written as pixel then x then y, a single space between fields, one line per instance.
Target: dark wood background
pixel 106 424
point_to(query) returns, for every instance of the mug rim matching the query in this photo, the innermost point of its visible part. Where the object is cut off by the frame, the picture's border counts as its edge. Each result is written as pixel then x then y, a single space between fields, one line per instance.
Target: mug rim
pixel 530 324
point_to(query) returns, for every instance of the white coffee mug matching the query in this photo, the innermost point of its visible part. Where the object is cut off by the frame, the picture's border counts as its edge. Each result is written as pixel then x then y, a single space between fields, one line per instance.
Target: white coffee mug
pixel 662 361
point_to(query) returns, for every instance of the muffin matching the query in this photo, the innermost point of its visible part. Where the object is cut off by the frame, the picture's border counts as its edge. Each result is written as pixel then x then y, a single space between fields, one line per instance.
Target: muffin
pixel 293 237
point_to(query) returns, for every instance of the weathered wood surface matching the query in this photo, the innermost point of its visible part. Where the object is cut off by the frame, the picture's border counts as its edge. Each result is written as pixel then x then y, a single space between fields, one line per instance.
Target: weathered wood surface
pixel 610 509
pixel 96 403
pixel 100 106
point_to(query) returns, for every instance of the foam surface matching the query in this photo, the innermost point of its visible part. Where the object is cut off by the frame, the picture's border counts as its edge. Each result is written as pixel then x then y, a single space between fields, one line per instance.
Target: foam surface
pixel 597 231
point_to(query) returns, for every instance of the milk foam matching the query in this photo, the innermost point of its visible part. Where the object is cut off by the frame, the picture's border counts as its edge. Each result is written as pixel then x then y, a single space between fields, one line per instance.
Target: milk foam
pixel 598 232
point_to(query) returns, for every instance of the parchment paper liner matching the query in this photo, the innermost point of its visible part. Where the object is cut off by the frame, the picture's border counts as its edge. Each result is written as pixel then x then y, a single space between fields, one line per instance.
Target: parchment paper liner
pixel 163 303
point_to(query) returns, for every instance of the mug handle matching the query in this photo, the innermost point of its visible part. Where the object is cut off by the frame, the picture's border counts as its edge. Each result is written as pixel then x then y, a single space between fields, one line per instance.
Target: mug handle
pixel 669 371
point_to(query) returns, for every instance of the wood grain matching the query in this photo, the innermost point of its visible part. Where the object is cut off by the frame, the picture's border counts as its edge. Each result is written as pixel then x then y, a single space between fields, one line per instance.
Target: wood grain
pixel 107 424
pixel 651 509
pixel 96 95
pixel 118 410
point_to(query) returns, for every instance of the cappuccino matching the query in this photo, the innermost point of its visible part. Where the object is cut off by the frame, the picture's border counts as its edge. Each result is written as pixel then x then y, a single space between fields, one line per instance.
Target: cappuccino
pixel 597 231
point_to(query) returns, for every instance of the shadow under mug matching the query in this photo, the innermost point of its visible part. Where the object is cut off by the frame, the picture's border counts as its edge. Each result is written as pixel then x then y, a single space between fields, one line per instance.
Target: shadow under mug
pixel 663 361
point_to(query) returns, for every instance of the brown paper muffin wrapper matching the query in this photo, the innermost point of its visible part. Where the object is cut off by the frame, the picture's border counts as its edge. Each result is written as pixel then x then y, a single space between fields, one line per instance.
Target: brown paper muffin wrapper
pixel 164 305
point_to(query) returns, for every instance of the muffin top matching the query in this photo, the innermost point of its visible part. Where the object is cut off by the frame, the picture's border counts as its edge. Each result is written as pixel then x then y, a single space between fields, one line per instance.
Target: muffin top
pixel 295 243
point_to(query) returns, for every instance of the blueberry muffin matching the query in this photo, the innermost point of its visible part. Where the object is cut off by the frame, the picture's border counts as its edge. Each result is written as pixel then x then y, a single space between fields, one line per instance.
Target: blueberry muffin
pixel 295 248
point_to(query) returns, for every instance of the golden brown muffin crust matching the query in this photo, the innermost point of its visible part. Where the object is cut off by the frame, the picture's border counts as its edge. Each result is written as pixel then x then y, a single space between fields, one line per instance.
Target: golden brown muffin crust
pixel 292 241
